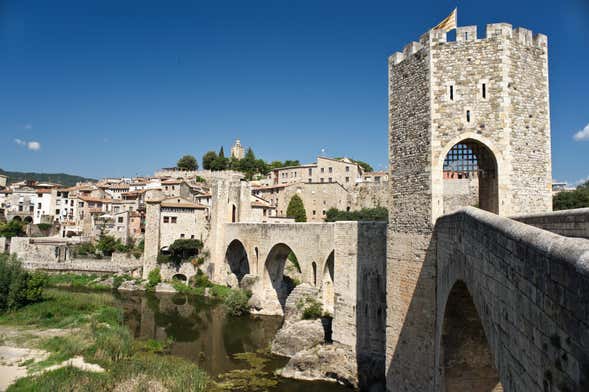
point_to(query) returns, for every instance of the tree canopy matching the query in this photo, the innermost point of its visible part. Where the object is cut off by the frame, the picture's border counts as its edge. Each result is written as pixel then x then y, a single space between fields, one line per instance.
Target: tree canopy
pixel 579 198
pixel 249 164
pixel 187 162
pixel 296 209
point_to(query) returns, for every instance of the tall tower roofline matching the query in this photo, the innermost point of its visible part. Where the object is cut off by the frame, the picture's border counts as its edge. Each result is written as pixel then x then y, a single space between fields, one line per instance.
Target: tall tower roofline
pixel 469 34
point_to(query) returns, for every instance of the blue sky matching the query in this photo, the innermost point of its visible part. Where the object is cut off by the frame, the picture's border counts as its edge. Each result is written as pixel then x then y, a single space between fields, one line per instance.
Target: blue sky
pixel 114 88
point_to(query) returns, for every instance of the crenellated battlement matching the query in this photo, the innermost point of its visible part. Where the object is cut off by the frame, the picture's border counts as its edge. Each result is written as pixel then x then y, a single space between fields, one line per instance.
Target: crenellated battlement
pixel 469 34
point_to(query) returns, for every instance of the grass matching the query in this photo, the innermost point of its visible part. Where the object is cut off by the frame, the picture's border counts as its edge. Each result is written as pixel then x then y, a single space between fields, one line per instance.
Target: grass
pixel 76 281
pixel 101 338
pixel 136 373
pixel 60 310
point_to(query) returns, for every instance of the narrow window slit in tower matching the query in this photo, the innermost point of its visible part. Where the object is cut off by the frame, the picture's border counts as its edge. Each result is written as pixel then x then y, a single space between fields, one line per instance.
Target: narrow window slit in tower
pixel 466 36
pixel 468 116
pixel 484 90
pixel 451 93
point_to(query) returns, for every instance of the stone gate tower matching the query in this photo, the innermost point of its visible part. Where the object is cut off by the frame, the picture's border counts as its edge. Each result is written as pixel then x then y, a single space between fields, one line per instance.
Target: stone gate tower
pixel 475 109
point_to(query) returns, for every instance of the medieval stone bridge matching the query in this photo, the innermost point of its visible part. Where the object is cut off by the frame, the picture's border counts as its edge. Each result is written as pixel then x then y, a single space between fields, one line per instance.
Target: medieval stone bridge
pixel 498 305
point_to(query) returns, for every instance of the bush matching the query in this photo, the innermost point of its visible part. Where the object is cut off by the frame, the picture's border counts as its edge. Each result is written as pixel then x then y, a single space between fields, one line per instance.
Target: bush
pixel 199 179
pixel 311 307
pixel 296 209
pixel 44 226
pixel 107 244
pixel 236 301
pixel 365 214
pixel 200 280
pixel 18 287
pixel 11 229
pixel 85 249
pixel 154 277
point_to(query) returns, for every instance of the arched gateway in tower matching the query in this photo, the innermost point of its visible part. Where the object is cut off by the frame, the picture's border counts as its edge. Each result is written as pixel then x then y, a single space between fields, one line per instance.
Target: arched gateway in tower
pixel 468 126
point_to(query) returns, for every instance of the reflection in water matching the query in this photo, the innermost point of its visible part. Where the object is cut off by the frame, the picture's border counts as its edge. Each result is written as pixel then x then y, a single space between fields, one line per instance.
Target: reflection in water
pixel 204 333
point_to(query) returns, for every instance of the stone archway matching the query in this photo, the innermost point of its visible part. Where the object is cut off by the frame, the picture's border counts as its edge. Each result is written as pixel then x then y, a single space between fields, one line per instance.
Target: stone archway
pixel 276 285
pixel 28 219
pixel 236 259
pixel 180 277
pixel 466 362
pixel 327 281
pixel 470 177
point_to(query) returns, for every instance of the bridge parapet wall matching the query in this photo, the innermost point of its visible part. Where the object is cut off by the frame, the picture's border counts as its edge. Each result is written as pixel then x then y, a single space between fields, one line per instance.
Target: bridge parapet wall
pixel 569 223
pixel 530 288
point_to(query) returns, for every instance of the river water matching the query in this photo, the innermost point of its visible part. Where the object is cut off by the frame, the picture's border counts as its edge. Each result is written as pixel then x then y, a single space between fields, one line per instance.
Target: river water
pixel 201 331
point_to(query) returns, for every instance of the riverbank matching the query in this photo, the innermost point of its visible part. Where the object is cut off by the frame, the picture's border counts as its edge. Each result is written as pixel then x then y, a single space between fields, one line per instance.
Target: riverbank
pixel 91 328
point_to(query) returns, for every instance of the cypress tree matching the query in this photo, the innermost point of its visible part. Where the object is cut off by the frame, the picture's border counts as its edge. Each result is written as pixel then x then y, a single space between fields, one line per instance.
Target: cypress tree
pixel 296 209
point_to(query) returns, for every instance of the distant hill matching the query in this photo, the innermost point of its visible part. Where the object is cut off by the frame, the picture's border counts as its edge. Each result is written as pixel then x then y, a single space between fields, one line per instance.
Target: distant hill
pixel 59 178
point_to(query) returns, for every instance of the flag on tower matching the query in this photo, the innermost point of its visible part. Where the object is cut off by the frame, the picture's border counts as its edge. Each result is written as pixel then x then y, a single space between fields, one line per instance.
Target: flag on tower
pixel 449 23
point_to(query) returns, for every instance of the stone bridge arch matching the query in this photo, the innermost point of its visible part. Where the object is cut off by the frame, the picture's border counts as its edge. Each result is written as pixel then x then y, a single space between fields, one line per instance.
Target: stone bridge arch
pixel 237 260
pixel 466 362
pixel 505 287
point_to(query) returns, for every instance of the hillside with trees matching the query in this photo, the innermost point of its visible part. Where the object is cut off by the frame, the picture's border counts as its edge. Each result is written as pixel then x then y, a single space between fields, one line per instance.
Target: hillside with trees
pixel 58 178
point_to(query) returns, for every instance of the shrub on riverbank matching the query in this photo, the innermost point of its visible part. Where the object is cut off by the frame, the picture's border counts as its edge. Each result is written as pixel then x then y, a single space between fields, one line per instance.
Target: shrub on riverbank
pixel 236 301
pixel 18 287
pixel 153 278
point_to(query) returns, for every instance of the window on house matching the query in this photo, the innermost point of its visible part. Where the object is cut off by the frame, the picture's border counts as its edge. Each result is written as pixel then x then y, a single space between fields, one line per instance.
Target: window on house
pixel 166 219
pixel 347 179
pixel 331 169
pixel 314 212
pixel 310 172
pixel 120 219
pixel 309 180
pixel 322 170
pixel 484 90
pixel 347 168
pixel 322 179
pixel 468 116
pixel 330 179
pixel 39 205
pixel 57 211
pixel 451 93
pixel 192 237
pixel 323 212
pixel 31 208
pixel 174 219
pixel 376 179
pixel 466 35
pixel 181 235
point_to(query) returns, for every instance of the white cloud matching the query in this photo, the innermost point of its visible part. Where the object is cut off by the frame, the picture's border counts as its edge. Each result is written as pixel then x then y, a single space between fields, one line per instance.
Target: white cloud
pixel 582 135
pixel 30 145
pixel 34 146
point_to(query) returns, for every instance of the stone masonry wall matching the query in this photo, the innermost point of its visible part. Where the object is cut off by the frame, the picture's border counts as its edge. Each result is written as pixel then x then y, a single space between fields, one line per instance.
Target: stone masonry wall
pixel 569 223
pixel 360 300
pixel 531 290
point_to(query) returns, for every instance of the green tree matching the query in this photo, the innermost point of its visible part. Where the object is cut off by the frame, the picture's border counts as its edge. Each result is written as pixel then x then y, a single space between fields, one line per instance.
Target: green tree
pixel 14 228
pixel 221 152
pixel 296 209
pixel 276 164
pixel 18 287
pixel 579 198
pixel 187 162
pixel 289 162
pixel 208 159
